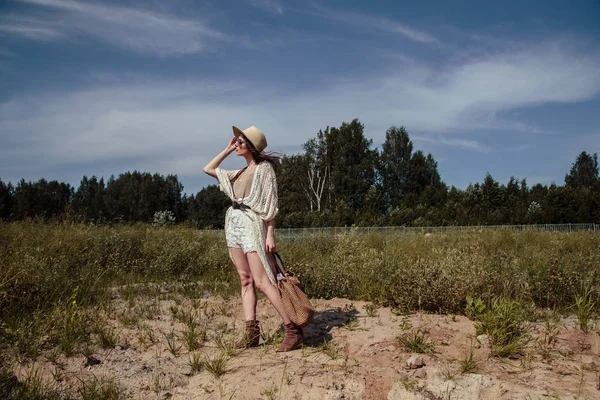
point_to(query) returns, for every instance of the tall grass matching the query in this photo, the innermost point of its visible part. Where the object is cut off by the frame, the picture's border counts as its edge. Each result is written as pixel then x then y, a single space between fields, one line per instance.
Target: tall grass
pixel 46 264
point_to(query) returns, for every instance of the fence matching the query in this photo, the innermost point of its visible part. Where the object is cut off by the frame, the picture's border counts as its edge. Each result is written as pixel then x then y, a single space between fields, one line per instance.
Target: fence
pixel 406 230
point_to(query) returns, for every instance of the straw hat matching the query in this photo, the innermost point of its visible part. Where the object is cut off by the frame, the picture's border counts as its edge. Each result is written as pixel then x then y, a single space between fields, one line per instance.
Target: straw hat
pixel 254 135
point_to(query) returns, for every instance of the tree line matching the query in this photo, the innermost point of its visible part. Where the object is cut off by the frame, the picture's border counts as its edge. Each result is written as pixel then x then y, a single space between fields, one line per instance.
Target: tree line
pixel 337 179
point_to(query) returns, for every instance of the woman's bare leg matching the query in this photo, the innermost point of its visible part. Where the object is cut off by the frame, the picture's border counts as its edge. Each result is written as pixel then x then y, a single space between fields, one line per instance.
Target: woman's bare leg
pixel 248 293
pixel 262 282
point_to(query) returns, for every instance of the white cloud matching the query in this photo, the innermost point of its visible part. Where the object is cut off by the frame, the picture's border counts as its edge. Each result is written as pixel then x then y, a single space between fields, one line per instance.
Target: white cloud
pixel 180 125
pixel 272 6
pixel 129 28
pixel 372 23
pixel 467 144
pixel 30 28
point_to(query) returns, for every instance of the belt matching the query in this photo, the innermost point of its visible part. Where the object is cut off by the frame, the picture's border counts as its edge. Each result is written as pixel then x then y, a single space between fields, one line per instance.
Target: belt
pixel 238 205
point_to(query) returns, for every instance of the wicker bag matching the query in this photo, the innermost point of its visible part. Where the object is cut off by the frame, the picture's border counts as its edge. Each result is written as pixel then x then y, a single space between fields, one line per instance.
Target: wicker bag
pixel 295 303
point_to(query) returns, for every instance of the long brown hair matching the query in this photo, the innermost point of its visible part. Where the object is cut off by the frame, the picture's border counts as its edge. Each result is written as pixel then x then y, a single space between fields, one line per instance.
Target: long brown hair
pixel 259 156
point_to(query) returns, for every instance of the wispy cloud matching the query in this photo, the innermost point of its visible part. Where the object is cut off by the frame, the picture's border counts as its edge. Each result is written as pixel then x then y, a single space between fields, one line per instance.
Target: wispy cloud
pixel 272 6
pixel 130 28
pixel 369 22
pixel 30 28
pixel 467 144
pixel 180 125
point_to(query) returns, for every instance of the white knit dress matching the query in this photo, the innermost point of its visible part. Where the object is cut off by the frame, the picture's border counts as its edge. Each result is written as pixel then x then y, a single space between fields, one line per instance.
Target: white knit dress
pixel 262 206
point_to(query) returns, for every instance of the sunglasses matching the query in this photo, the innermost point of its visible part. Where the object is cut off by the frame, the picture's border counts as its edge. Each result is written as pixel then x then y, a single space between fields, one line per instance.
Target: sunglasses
pixel 239 141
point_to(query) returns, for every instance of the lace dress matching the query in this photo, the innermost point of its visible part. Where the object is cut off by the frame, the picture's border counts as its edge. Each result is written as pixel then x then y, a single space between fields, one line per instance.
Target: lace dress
pixel 259 207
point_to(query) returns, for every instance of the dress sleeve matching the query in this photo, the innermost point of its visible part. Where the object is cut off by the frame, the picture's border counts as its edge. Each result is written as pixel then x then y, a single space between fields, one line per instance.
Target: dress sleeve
pixel 267 205
pixel 224 177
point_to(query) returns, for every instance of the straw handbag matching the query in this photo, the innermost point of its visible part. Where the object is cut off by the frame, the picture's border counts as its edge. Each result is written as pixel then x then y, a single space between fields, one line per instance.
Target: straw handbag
pixel 295 303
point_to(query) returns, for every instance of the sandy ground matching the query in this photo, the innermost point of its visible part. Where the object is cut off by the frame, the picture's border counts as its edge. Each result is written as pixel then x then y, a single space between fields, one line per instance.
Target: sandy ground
pixel 361 360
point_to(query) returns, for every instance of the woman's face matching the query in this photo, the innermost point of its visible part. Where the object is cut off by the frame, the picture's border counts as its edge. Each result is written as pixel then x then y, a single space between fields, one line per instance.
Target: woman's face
pixel 241 148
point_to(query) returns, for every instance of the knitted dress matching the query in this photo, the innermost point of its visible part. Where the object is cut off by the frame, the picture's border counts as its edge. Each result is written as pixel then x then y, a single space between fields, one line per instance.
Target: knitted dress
pixel 262 205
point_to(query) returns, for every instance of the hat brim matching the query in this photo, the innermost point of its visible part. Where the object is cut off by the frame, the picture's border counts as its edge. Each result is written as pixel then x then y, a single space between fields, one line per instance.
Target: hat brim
pixel 237 131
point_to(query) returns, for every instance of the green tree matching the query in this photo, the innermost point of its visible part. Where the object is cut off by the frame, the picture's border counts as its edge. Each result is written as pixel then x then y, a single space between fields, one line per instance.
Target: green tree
pixel 41 199
pixel 6 200
pixel 394 164
pixel 207 209
pixel 584 172
pixel 88 201
pixel 351 163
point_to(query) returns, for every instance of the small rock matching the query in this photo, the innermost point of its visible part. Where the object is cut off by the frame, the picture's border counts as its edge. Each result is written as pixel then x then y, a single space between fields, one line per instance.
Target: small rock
pixel 588 364
pixel 91 361
pixel 420 373
pixel 415 362
pixel 481 339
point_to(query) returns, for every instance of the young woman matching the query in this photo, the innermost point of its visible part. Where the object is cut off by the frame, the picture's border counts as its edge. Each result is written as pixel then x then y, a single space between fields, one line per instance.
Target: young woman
pixel 250 229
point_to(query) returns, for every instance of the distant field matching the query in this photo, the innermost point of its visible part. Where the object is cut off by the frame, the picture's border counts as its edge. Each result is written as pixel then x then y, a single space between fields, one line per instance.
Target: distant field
pixel 44 263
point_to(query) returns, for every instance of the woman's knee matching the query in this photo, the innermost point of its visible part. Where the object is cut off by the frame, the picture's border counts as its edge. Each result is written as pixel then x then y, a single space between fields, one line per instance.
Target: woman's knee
pixel 263 284
pixel 246 280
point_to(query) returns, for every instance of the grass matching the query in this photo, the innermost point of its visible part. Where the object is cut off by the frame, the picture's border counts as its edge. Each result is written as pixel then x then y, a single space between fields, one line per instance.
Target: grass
pixel 216 364
pixel 101 388
pixel 108 337
pixel 503 321
pixel 173 344
pixel 416 341
pixel 585 307
pixel 195 362
pixel 193 337
pixel 53 273
pixel 468 364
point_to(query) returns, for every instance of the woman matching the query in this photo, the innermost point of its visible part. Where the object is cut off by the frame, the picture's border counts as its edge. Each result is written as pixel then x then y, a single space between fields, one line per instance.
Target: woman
pixel 250 228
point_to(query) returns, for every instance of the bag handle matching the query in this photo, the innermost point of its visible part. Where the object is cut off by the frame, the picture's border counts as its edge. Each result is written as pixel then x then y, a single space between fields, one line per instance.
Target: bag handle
pixel 278 263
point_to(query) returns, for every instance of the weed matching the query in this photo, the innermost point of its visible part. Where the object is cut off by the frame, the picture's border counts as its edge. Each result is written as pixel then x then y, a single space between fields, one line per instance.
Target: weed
pixel 547 340
pixel 585 307
pixel 448 372
pixel 270 393
pixel 173 345
pixel 87 351
pixel 331 348
pixel 371 310
pixel 352 324
pixel 52 356
pixel 226 346
pixel 108 337
pixel 475 308
pixel 34 386
pixel 416 341
pixel 26 336
pixel 405 323
pixel 70 328
pixel 503 323
pixel 193 338
pixel 409 384
pixel 468 364
pixel 195 362
pixel 101 388
pixel 216 365
pixel 129 317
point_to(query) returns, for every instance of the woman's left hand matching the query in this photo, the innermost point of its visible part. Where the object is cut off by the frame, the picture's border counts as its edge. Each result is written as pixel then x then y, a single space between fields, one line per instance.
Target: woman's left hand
pixel 270 244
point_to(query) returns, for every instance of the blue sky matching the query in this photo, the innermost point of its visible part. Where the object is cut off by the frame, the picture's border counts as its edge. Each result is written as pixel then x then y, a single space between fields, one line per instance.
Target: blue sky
pixel 98 88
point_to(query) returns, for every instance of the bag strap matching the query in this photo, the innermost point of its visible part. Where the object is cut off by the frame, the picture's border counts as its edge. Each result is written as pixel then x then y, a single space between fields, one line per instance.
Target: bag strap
pixel 278 263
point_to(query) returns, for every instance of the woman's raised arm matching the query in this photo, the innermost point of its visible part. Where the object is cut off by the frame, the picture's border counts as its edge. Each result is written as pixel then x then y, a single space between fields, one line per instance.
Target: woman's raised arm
pixel 215 162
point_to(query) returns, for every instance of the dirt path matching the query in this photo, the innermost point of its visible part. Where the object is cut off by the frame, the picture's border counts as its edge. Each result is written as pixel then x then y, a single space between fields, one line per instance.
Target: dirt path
pixel 351 352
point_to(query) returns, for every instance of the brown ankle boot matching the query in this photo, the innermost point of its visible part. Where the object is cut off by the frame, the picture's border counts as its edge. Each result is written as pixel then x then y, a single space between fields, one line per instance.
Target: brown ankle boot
pixel 251 336
pixel 294 338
